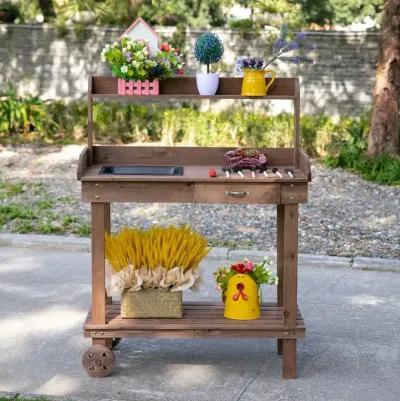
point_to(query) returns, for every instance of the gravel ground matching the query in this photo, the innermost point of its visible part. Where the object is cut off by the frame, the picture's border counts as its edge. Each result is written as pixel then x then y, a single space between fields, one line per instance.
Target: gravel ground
pixel 345 215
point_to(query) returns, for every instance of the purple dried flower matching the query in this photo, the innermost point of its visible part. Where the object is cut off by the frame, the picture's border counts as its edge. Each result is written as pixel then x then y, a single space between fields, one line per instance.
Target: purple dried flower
pixel 300 36
pixel 278 45
pixel 296 60
pixel 260 63
pixel 293 45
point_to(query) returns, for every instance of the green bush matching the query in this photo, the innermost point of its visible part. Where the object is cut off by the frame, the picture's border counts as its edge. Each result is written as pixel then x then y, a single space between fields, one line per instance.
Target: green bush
pixel 24 116
pixel 32 120
pixel 340 144
pixel 349 151
pixel 242 24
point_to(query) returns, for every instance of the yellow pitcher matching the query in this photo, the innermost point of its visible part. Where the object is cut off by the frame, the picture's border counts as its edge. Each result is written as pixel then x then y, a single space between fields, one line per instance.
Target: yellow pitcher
pixel 242 300
pixel 254 82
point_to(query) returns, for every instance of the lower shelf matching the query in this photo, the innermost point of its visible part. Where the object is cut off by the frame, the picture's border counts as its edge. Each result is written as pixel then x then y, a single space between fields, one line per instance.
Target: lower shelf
pixel 199 320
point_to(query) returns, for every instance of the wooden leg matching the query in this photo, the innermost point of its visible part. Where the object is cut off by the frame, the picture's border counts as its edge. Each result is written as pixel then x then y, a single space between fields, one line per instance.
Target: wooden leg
pixel 107 342
pixel 290 226
pixel 107 219
pixel 98 272
pixel 289 359
pixel 279 262
pixel 280 250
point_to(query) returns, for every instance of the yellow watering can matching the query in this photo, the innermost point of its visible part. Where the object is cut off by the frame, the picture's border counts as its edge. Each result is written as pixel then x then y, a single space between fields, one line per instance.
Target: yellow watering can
pixel 242 301
pixel 254 82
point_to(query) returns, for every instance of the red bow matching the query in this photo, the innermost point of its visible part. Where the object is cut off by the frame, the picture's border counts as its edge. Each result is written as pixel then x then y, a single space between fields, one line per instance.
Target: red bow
pixel 240 292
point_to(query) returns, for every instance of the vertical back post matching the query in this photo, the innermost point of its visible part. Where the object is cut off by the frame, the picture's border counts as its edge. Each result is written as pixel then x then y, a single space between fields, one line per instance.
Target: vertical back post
pixel 296 105
pixel 90 122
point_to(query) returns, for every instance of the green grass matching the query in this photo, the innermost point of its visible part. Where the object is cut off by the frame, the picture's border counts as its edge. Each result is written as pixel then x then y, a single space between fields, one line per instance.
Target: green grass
pixel 26 207
pixel 8 189
pixel 350 152
pixel 384 169
pixel 18 398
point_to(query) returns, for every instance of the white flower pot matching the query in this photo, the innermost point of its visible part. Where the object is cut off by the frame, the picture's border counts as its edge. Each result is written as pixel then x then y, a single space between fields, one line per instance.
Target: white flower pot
pixel 207 84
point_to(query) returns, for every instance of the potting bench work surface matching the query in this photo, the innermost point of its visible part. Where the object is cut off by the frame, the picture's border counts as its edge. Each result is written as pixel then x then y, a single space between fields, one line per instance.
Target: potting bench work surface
pixel 351 351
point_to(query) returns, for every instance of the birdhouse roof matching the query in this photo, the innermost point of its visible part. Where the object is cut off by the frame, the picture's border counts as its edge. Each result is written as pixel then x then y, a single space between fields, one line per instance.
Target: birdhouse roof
pixel 140 20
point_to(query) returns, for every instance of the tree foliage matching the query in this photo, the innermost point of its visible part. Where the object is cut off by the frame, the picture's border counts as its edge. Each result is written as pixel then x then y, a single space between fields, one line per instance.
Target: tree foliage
pixel 208 49
pixel 204 13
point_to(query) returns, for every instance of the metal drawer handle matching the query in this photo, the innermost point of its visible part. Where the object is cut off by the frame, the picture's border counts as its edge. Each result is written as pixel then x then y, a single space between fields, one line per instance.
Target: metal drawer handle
pixel 237 194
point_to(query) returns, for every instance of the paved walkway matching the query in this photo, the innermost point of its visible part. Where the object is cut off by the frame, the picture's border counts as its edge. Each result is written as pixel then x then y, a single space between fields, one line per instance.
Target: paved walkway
pixel 351 351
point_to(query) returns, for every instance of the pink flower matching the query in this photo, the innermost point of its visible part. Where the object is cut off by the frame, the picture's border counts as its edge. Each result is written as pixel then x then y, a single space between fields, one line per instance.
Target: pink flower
pixel 180 71
pixel 249 266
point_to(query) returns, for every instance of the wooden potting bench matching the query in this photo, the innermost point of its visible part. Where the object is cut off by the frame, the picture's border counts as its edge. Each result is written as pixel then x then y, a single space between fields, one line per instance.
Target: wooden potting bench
pixel 281 320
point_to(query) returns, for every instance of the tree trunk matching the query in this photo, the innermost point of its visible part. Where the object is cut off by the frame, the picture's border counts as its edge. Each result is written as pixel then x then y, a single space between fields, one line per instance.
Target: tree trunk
pixel 47 8
pixel 384 130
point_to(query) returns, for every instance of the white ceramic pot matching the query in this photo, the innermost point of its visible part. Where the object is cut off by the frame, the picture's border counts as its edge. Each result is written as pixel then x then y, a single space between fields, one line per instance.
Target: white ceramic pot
pixel 207 84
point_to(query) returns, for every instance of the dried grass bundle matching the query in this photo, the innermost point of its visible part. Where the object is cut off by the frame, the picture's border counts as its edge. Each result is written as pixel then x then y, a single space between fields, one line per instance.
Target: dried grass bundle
pixel 165 247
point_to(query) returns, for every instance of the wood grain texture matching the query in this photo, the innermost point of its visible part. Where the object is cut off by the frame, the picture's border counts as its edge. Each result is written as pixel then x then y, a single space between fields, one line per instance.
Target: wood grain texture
pixel 289 358
pixel 90 134
pixel 290 218
pixel 294 193
pixel 282 88
pixel 163 192
pixel 237 193
pixel 205 319
pixel 304 165
pixel 82 163
pixel 107 225
pixel 296 116
pixel 279 262
pixel 280 252
pixel 98 211
pixel 193 173
pixel 182 155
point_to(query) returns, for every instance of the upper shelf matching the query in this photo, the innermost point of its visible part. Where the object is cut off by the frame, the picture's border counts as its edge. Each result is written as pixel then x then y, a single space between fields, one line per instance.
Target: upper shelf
pixel 105 87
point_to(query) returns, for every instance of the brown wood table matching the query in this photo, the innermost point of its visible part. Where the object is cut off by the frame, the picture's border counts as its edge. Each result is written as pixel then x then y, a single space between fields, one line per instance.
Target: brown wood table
pixel 281 320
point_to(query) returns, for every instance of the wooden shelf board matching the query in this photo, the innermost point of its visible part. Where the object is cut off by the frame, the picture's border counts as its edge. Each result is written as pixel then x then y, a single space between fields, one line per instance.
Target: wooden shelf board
pixel 99 96
pixel 197 174
pixel 199 320
pixel 106 87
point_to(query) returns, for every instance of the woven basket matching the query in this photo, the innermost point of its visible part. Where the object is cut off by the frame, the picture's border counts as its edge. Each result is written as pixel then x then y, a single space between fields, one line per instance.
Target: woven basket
pixel 151 303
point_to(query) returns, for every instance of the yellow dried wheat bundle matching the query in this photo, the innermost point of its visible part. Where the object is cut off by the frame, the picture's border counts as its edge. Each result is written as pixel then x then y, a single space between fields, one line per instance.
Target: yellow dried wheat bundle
pixel 167 247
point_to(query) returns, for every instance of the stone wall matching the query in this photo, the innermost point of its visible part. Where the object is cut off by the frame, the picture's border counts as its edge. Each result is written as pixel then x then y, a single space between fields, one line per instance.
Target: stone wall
pixel 36 59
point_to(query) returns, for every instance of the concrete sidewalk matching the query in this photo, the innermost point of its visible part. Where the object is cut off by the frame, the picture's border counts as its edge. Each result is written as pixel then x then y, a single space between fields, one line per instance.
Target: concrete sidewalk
pixel 351 351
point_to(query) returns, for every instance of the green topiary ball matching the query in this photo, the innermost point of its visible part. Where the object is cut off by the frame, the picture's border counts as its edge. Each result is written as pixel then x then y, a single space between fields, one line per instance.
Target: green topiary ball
pixel 208 49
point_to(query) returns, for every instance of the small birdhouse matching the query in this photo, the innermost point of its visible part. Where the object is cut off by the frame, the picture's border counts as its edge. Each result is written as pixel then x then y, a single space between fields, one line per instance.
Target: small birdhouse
pixel 141 30
pixel 242 301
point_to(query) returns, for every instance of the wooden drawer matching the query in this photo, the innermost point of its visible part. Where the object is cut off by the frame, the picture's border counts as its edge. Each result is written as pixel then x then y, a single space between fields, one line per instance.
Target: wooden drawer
pixel 125 191
pixel 294 193
pixel 237 193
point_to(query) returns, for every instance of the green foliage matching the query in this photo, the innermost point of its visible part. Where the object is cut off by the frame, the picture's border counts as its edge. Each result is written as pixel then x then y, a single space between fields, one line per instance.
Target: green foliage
pixel 8 189
pixel 349 151
pixel 341 144
pixel 9 12
pixel 208 49
pixel 201 13
pixel 22 115
pixel 130 59
pixel 340 12
pixel 242 24
pixel 193 13
pixel 14 397
pixel 260 272
pixel 26 207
